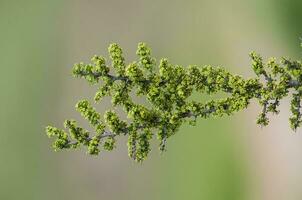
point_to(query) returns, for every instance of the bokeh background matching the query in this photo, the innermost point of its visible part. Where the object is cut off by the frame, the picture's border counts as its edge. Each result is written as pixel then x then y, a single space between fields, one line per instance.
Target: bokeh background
pixel 227 158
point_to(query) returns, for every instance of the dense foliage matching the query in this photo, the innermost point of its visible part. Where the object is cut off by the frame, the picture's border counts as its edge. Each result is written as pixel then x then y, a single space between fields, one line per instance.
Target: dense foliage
pixel 167 88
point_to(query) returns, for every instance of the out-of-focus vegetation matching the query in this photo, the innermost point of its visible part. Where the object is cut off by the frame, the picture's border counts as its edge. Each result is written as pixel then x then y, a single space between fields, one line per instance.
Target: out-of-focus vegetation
pixel 41 40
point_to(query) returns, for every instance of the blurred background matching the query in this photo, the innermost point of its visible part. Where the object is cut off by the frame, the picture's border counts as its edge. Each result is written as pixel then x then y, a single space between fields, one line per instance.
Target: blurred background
pixel 227 158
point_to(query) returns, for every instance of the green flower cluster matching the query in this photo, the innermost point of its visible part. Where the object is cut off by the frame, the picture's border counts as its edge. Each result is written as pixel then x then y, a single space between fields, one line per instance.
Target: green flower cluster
pixel 167 88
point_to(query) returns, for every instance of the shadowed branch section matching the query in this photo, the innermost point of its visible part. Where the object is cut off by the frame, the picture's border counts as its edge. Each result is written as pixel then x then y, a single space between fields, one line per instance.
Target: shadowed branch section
pixel 167 88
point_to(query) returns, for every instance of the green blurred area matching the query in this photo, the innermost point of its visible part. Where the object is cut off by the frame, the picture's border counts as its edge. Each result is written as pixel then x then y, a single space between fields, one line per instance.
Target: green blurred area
pixel 41 40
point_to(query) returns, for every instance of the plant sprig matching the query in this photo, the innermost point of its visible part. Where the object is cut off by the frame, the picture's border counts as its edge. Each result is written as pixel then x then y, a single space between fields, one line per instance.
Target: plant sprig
pixel 167 88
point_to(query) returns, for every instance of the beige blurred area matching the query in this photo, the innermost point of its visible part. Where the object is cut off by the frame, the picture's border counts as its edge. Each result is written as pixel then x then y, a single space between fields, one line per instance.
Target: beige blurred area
pixel 195 32
pixel 230 158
